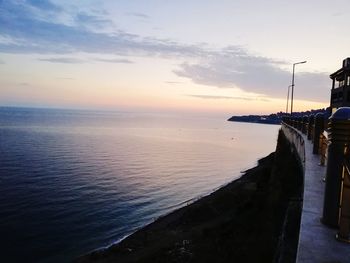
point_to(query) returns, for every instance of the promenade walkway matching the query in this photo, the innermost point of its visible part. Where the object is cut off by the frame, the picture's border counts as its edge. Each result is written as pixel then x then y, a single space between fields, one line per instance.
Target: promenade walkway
pixel 317 243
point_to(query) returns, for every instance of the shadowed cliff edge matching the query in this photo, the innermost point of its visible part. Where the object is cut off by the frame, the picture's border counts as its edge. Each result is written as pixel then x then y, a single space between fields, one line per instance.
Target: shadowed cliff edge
pixel 253 219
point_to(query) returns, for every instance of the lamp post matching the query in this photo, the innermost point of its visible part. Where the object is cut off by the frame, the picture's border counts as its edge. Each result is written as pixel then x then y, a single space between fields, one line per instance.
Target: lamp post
pixel 291 103
pixel 287 99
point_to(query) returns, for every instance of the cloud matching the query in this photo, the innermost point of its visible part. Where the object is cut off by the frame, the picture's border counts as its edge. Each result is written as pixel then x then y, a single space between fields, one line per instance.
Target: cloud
pixel 173 82
pixel 29 32
pixel 68 60
pixel 26 32
pixel 227 69
pixel 45 5
pixel 139 15
pixel 2 62
pixel 215 97
pixel 63 60
pixel 114 60
pixel 85 19
pixel 65 78
pixel 338 14
pixel 24 84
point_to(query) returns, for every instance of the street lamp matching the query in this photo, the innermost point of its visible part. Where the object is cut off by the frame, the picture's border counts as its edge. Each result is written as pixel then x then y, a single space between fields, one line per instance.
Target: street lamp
pixel 288 99
pixel 291 103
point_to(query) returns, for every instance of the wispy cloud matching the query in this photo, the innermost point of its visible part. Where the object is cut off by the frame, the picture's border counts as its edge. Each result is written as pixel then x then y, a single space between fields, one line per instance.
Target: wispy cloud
pixel 215 97
pixel 65 78
pixel 53 37
pixel 69 60
pixel 139 15
pixel 44 5
pixel 230 67
pixel 23 84
pixel 338 14
pixel 173 82
pixel 227 69
pixel 114 60
pixel 85 20
pixel 63 60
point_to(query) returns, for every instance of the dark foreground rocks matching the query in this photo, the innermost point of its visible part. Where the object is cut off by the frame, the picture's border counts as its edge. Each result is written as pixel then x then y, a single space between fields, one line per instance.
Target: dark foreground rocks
pixel 253 219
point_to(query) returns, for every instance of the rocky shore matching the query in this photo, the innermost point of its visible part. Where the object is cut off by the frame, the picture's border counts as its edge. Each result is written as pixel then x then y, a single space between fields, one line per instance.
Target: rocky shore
pixel 253 219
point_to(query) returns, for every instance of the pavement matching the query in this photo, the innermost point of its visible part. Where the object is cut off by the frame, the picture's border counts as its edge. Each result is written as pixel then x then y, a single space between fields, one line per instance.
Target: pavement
pixel 317 242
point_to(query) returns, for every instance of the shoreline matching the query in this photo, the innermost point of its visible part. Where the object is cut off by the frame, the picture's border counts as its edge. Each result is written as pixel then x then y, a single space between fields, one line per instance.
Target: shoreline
pixel 176 207
pixel 242 221
pixel 256 122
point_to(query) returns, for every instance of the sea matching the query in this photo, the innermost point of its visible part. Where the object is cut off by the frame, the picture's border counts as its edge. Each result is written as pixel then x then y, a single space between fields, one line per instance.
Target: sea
pixel 73 181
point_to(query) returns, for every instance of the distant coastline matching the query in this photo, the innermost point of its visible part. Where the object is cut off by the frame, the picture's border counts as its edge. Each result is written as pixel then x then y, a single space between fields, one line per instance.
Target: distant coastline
pixel 256 119
pixel 274 118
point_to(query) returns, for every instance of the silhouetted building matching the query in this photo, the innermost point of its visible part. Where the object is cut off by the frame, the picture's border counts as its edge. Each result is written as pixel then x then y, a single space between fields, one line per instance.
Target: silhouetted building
pixel 340 94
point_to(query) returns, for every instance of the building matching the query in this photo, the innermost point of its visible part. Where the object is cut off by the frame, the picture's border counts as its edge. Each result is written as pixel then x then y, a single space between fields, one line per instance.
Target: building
pixel 340 94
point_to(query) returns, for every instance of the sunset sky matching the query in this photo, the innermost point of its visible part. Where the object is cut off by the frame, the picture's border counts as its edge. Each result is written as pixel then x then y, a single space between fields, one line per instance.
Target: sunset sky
pixel 229 57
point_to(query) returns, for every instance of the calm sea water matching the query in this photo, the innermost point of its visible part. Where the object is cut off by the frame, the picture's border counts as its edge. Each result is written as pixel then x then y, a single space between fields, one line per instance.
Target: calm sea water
pixel 74 181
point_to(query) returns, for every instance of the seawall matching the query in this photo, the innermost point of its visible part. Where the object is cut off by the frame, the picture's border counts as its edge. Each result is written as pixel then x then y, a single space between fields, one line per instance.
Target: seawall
pixel 317 242
pixel 252 219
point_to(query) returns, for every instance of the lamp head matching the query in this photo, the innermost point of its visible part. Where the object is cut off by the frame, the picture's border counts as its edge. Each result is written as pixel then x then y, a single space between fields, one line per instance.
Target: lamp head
pixel 302 62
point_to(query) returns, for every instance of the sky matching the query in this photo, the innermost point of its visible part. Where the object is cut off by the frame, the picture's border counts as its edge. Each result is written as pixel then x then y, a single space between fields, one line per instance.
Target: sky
pixel 224 57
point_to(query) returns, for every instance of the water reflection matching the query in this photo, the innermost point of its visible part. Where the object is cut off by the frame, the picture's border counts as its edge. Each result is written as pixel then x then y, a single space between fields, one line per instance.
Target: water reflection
pixel 73 181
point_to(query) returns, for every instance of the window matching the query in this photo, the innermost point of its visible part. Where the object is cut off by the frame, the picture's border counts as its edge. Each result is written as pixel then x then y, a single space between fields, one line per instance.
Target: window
pixel 341 83
pixel 340 95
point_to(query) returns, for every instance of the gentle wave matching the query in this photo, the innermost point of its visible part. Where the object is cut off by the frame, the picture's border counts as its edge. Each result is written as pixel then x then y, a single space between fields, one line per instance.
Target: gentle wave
pixel 75 181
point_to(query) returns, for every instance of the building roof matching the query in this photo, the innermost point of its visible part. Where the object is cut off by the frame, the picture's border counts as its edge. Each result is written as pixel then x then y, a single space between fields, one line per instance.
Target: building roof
pixel 339 73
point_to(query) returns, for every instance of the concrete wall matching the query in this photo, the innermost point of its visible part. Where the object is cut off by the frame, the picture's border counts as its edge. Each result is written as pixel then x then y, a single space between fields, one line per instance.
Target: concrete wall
pixel 296 140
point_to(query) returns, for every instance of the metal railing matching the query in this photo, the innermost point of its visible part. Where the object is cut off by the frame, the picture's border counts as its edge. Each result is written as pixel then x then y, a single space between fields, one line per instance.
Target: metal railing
pixel 323 144
pixel 344 206
pixel 333 147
